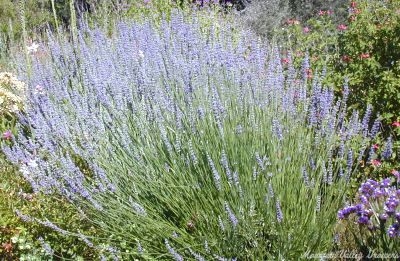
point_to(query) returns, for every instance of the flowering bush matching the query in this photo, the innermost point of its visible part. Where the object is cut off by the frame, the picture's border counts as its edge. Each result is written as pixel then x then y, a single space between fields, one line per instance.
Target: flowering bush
pixel 175 141
pixel 369 56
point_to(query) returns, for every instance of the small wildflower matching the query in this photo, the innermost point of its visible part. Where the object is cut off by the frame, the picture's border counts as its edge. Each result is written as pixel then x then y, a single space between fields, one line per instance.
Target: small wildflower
pixel 33 47
pixel 7 135
pixel 353 4
pixel 309 73
pixel 285 60
pixel 365 56
pixel 376 162
pixel 346 58
pixel 375 146
pixel 292 22
pixel 396 124
pixel 306 29
pixel 342 27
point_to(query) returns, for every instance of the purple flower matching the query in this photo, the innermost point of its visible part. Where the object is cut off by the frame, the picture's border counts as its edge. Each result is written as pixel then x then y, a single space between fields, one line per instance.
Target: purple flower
pixel 387 152
pixel 364 220
pixel 391 204
pixel 386 183
pixel 279 214
pixel 345 212
pixel 231 215
pixel 393 230
pixel 383 217
pixel 172 251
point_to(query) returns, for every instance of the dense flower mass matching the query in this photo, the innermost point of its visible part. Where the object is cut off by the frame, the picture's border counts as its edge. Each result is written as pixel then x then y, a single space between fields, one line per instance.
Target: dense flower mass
pixel 12 93
pixel 189 136
pixel 378 204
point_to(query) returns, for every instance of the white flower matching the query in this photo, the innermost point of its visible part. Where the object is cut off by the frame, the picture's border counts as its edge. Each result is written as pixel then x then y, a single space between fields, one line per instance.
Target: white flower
pixel 33 47
pixel 141 54
pixel 32 163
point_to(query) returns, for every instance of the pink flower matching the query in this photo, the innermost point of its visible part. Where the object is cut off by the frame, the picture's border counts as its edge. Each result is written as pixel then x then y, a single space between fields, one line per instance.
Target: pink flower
pixel 292 22
pixel 306 30
pixel 7 135
pixel 376 163
pixel 396 124
pixel 342 27
pixel 309 73
pixel 285 60
pixel 353 4
pixel 364 56
pixel 322 13
pixel 375 146
pixel 346 58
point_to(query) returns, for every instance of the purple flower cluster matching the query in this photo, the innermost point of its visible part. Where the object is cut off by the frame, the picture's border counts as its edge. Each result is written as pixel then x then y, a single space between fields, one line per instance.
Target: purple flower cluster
pixel 378 204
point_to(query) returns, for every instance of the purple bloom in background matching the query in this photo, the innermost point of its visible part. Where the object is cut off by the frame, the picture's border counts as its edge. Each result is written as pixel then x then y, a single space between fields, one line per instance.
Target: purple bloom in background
pixel 387 151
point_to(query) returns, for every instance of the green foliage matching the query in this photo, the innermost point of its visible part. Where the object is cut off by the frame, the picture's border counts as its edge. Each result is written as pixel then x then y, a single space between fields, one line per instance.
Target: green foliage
pixel 371 47
pixel 36 14
pixel 22 237
pixel 264 16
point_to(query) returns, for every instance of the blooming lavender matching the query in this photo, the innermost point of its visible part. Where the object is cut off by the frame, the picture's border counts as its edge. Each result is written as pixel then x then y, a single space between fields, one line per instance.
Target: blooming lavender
pixel 46 247
pixel 387 151
pixel 172 251
pixel 231 215
pixel 135 126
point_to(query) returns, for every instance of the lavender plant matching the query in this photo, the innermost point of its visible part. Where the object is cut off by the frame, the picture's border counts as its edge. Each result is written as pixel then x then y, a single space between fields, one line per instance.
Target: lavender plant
pixel 178 143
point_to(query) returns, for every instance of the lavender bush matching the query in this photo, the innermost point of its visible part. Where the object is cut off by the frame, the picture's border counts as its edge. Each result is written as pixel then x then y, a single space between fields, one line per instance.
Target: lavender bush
pixel 181 142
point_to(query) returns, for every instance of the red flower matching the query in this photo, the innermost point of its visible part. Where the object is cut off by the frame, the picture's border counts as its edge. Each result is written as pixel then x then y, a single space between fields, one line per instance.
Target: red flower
pixel 376 162
pixel 396 124
pixel 7 135
pixel 342 27
pixel 364 56
pixel 375 146
pixel 285 60
pixel 353 4
pixel 8 247
pixel 346 58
